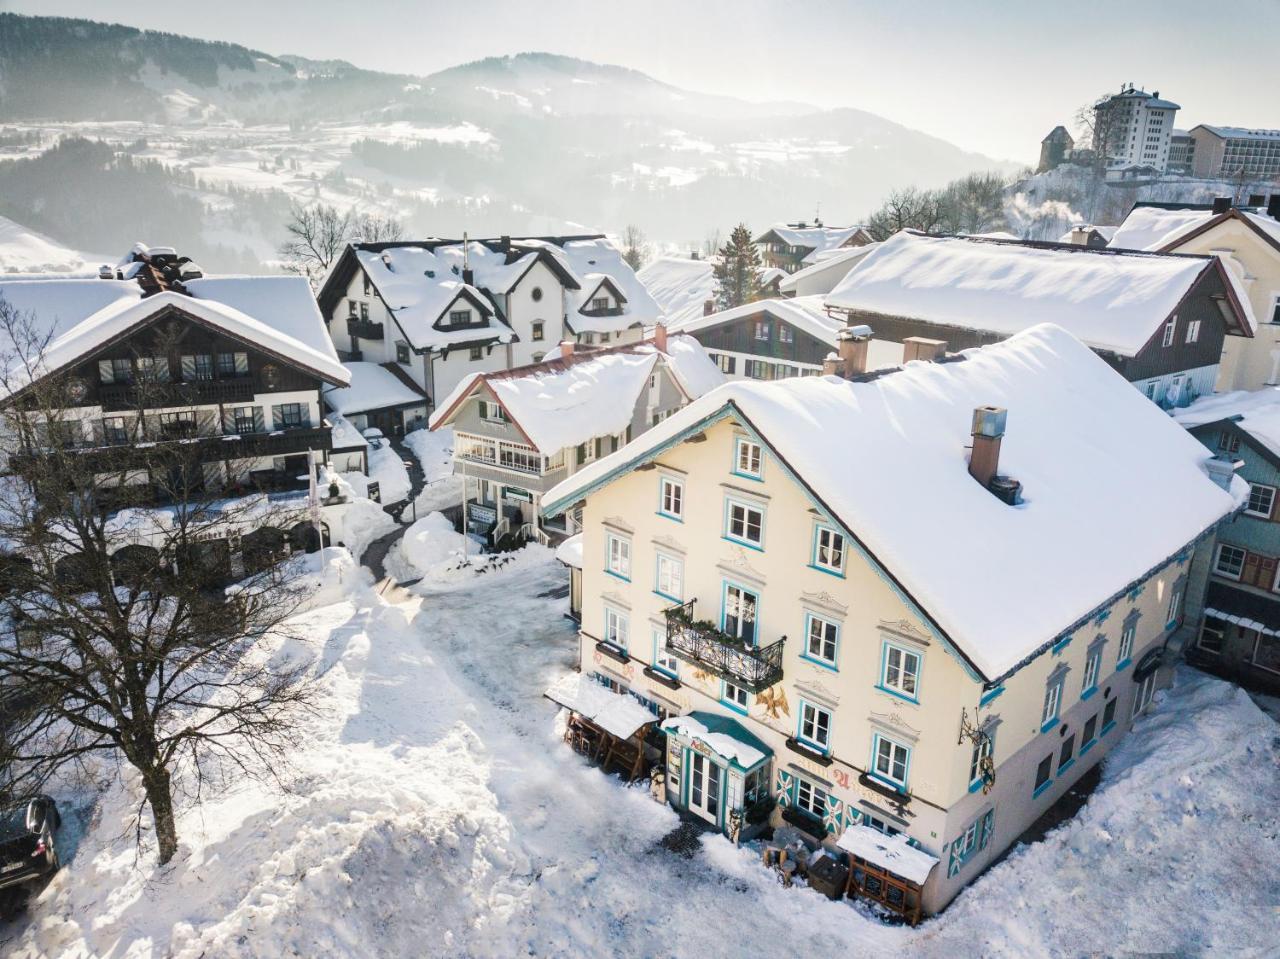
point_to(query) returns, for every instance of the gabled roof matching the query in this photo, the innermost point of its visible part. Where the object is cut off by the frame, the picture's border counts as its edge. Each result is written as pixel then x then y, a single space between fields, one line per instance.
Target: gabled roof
pixel 679 285
pixel 373 387
pixel 569 400
pixel 1099 463
pixel 1164 230
pixel 815 238
pixel 838 262
pixel 123 317
pixel 1113 300
pixel 807 313
pixel 1255 414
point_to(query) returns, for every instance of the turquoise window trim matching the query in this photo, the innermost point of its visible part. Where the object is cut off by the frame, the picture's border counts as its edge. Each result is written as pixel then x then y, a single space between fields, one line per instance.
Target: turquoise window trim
pixel 747 476
pixel 1102 617
pixel 802 738
pixel 818 660
pixel 818 528
pixel 675 599
pixel 1062 644
pixel 875 752
pixel 829 572
pixel 726 701
pixel 1085 747
pixel 1050 724
pixel 724 606
pixel 662 481
pixel 673 518
pixel 1040 790
pixel 738 441
pixel 1107 728
pixel 609 572
pixel 1136 592
pixel 1067 765
pixel 729 503
pixel 1123 664
pixel 990 695
pixel 743 542
pixel 1089 693
pixel 658 557
pixel 1171 625
pixel 975 785
pixel 885 646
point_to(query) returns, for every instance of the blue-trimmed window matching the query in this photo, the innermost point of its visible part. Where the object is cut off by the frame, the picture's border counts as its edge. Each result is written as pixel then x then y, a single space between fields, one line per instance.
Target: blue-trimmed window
pixel 1067 755
pixel 1108 716
pixel 972 840
pixel 670 498
pixel 670 577
pixel 735 697
pixel 1044 776
pixel 1089 735
pixel 1175 604
pixel 990 694
pixel 828 550
pixel 663 661
pixel 1092 666
pixel 822 640
pixel 814 728
pixel 744 522
pixel 618 556
pixel 748 458
pixel 1052 704
pixel 1125 651
pixel 740 613
pixel 617 627
pixel 900 671
pixel 982 749
pixel 811 799
pixel 890 761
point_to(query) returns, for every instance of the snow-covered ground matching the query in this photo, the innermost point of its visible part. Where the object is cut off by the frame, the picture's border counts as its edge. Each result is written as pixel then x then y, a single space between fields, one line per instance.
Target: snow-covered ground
pixel 388 470
pixel 434 450
pixel 432 810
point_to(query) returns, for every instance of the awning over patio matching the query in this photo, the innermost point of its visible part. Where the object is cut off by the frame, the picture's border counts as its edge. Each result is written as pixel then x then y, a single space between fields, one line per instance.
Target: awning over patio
pixel 570 551
pixel 725 736
pixel 891 853
pixel 1246 610
pixel 616 713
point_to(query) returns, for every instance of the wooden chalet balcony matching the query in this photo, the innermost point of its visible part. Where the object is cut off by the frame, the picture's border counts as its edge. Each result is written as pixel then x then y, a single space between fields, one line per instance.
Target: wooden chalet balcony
pixel 701 644
pixel 365 329
pixel 133 396
pixel 610 311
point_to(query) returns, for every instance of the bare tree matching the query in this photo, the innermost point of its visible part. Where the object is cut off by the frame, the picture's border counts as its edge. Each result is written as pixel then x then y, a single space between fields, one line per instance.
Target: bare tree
pixel 974 204
pixel 1098 124
pixel 376 228
pixel 317 235
pixel 119 635
pixel 908 209
pixel 635 246
pixel 711 244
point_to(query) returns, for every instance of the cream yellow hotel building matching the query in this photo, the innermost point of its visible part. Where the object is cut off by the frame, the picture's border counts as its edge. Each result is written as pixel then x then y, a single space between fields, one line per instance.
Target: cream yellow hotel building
pixel 851 621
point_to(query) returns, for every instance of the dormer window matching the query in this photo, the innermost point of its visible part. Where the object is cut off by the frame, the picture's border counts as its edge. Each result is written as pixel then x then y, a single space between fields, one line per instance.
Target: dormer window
pixel 600 303
pixel 459 317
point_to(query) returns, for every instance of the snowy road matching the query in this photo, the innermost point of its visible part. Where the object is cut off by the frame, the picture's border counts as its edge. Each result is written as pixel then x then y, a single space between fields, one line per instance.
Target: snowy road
pixel 434 811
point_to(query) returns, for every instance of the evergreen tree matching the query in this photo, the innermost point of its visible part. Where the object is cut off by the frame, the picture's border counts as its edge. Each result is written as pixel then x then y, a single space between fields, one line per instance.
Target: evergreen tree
pixel 737 275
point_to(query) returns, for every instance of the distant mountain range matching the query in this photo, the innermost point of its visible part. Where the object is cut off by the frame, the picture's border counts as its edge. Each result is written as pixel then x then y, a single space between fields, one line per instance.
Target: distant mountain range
pixel 506 144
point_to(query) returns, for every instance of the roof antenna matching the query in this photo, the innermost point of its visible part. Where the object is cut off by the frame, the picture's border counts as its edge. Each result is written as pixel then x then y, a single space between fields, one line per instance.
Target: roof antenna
pixel 466 254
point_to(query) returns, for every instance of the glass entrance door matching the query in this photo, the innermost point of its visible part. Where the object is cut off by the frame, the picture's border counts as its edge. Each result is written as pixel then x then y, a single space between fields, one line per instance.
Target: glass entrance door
pixel 704 788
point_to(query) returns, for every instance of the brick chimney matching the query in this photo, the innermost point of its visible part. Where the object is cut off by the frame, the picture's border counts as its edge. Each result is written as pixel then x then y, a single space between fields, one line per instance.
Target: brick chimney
pixel 660 337
pixel 708 307
pixel 832 365
pixel 853 342
pixel 923 348
pixel 566 349
pixel 988 430
pixel 1221 204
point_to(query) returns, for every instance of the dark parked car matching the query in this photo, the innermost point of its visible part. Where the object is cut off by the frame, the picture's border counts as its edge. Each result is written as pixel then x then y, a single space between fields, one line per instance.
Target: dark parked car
pixel 27 849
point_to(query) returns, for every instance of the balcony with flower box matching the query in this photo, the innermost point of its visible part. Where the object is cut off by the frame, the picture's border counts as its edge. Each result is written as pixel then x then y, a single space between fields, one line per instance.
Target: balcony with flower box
pixel 703 645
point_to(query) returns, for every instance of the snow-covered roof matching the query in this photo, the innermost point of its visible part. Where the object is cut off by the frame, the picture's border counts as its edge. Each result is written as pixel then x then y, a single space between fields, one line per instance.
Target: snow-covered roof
pixel 807 313
pixel 726 736
pixel 345 436
pixel 570 551
pixel 284 303
pixel 593 260
pixel 372 387
pixel 1256 413
pixel 561 403
pixel 124 313
pixel 836 263
pixel 1242 133
pixel 56 305
pixel 679 285
pixel 618 714
pixel 893 853
pixel 1099 463
pixel 1155 228
pixel 816 238
pixel 1111 300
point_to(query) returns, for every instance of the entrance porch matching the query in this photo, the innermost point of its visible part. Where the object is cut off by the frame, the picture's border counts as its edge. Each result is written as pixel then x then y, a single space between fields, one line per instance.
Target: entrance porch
pixel 719 772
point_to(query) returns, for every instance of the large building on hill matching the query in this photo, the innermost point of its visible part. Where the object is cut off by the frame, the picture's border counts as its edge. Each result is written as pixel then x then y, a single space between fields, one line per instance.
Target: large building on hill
pixel 1160 320
pixel 1055 148
pixel 434 311
pixel 1231 152
pixel 1247 242
pixel 903 613
pixel 518 432
pixel 1132 128
pixel 165 384
pixel 793 246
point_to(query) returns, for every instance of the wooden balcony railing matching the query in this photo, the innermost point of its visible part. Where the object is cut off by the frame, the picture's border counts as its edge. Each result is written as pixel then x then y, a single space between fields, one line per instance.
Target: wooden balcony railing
pixel 133 396
pixel 365 329
pixel 701 644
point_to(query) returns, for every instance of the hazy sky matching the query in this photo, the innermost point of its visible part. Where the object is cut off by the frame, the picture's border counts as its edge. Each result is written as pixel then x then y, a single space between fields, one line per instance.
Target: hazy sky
pixel 989 75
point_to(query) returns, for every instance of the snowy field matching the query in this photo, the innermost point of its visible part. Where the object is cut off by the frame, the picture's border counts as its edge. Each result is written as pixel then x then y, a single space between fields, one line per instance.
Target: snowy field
pixel 434 812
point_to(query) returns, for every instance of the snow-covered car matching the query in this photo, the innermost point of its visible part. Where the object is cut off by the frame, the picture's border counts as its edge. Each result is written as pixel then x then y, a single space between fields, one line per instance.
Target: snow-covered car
pixel 27 848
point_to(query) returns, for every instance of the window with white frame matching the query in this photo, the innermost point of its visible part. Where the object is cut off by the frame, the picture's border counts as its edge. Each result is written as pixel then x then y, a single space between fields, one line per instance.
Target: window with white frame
pixel 670 576
pixel 1230 561
pixel 1266 653
pixel 981 750
pixel 785 334
pixel 823 640
pixel 493 412
pixel 901 670
pixel 1261 499
pixel 1228 441
pixel 762 330
pixel 810 797
pixel 748 459
pixel 1126 642
pixel 736 695
pixel 1169 329
pixel 671 497
pixel 1175 602
pixel 879 825
pixel 1146 689
pixel 815 725
pixel 619 555
pixel 891 760
pixel 616 627
pixel 740 607
pixel 1091 666
pixel 1052 701
pixel 1213 634
pixel 663 660
pixel 745 522
pixel 829 550
pixel 1193 331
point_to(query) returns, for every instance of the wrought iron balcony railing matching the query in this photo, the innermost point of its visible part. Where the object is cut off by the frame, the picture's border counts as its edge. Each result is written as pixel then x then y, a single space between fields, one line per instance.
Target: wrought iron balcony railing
pixel 701 644
pixel 131 396
pixel 364 329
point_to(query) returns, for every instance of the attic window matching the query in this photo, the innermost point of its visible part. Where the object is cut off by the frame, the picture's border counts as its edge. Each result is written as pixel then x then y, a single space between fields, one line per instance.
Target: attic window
pixel 536 293
pixel 429 274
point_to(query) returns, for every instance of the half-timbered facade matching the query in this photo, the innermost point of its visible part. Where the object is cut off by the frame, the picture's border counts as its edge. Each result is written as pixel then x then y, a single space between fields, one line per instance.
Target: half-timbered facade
pixel 849 625
pixel 1160 320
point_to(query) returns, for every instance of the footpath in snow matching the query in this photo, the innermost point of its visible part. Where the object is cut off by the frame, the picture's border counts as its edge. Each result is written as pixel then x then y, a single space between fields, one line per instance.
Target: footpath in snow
pixel 433 811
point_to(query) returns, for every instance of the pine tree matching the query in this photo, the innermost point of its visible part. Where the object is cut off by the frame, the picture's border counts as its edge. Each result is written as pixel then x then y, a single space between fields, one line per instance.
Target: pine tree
pixel 737 275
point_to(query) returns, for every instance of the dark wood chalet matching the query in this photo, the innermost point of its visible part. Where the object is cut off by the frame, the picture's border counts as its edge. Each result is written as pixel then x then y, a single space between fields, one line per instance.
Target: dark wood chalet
pixel 769 339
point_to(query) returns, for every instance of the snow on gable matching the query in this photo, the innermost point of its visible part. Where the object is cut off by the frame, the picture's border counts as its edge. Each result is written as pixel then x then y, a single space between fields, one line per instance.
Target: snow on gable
pixel 1099 463
pixel 679 285
pixel 599 256
pixel 1152 228
pixel 1256 413
pixel 55 306
pixel 1112 301
pixel 284 303
pixel 807 313
pixel 818 239
pixel 693 369
pixel 372 387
